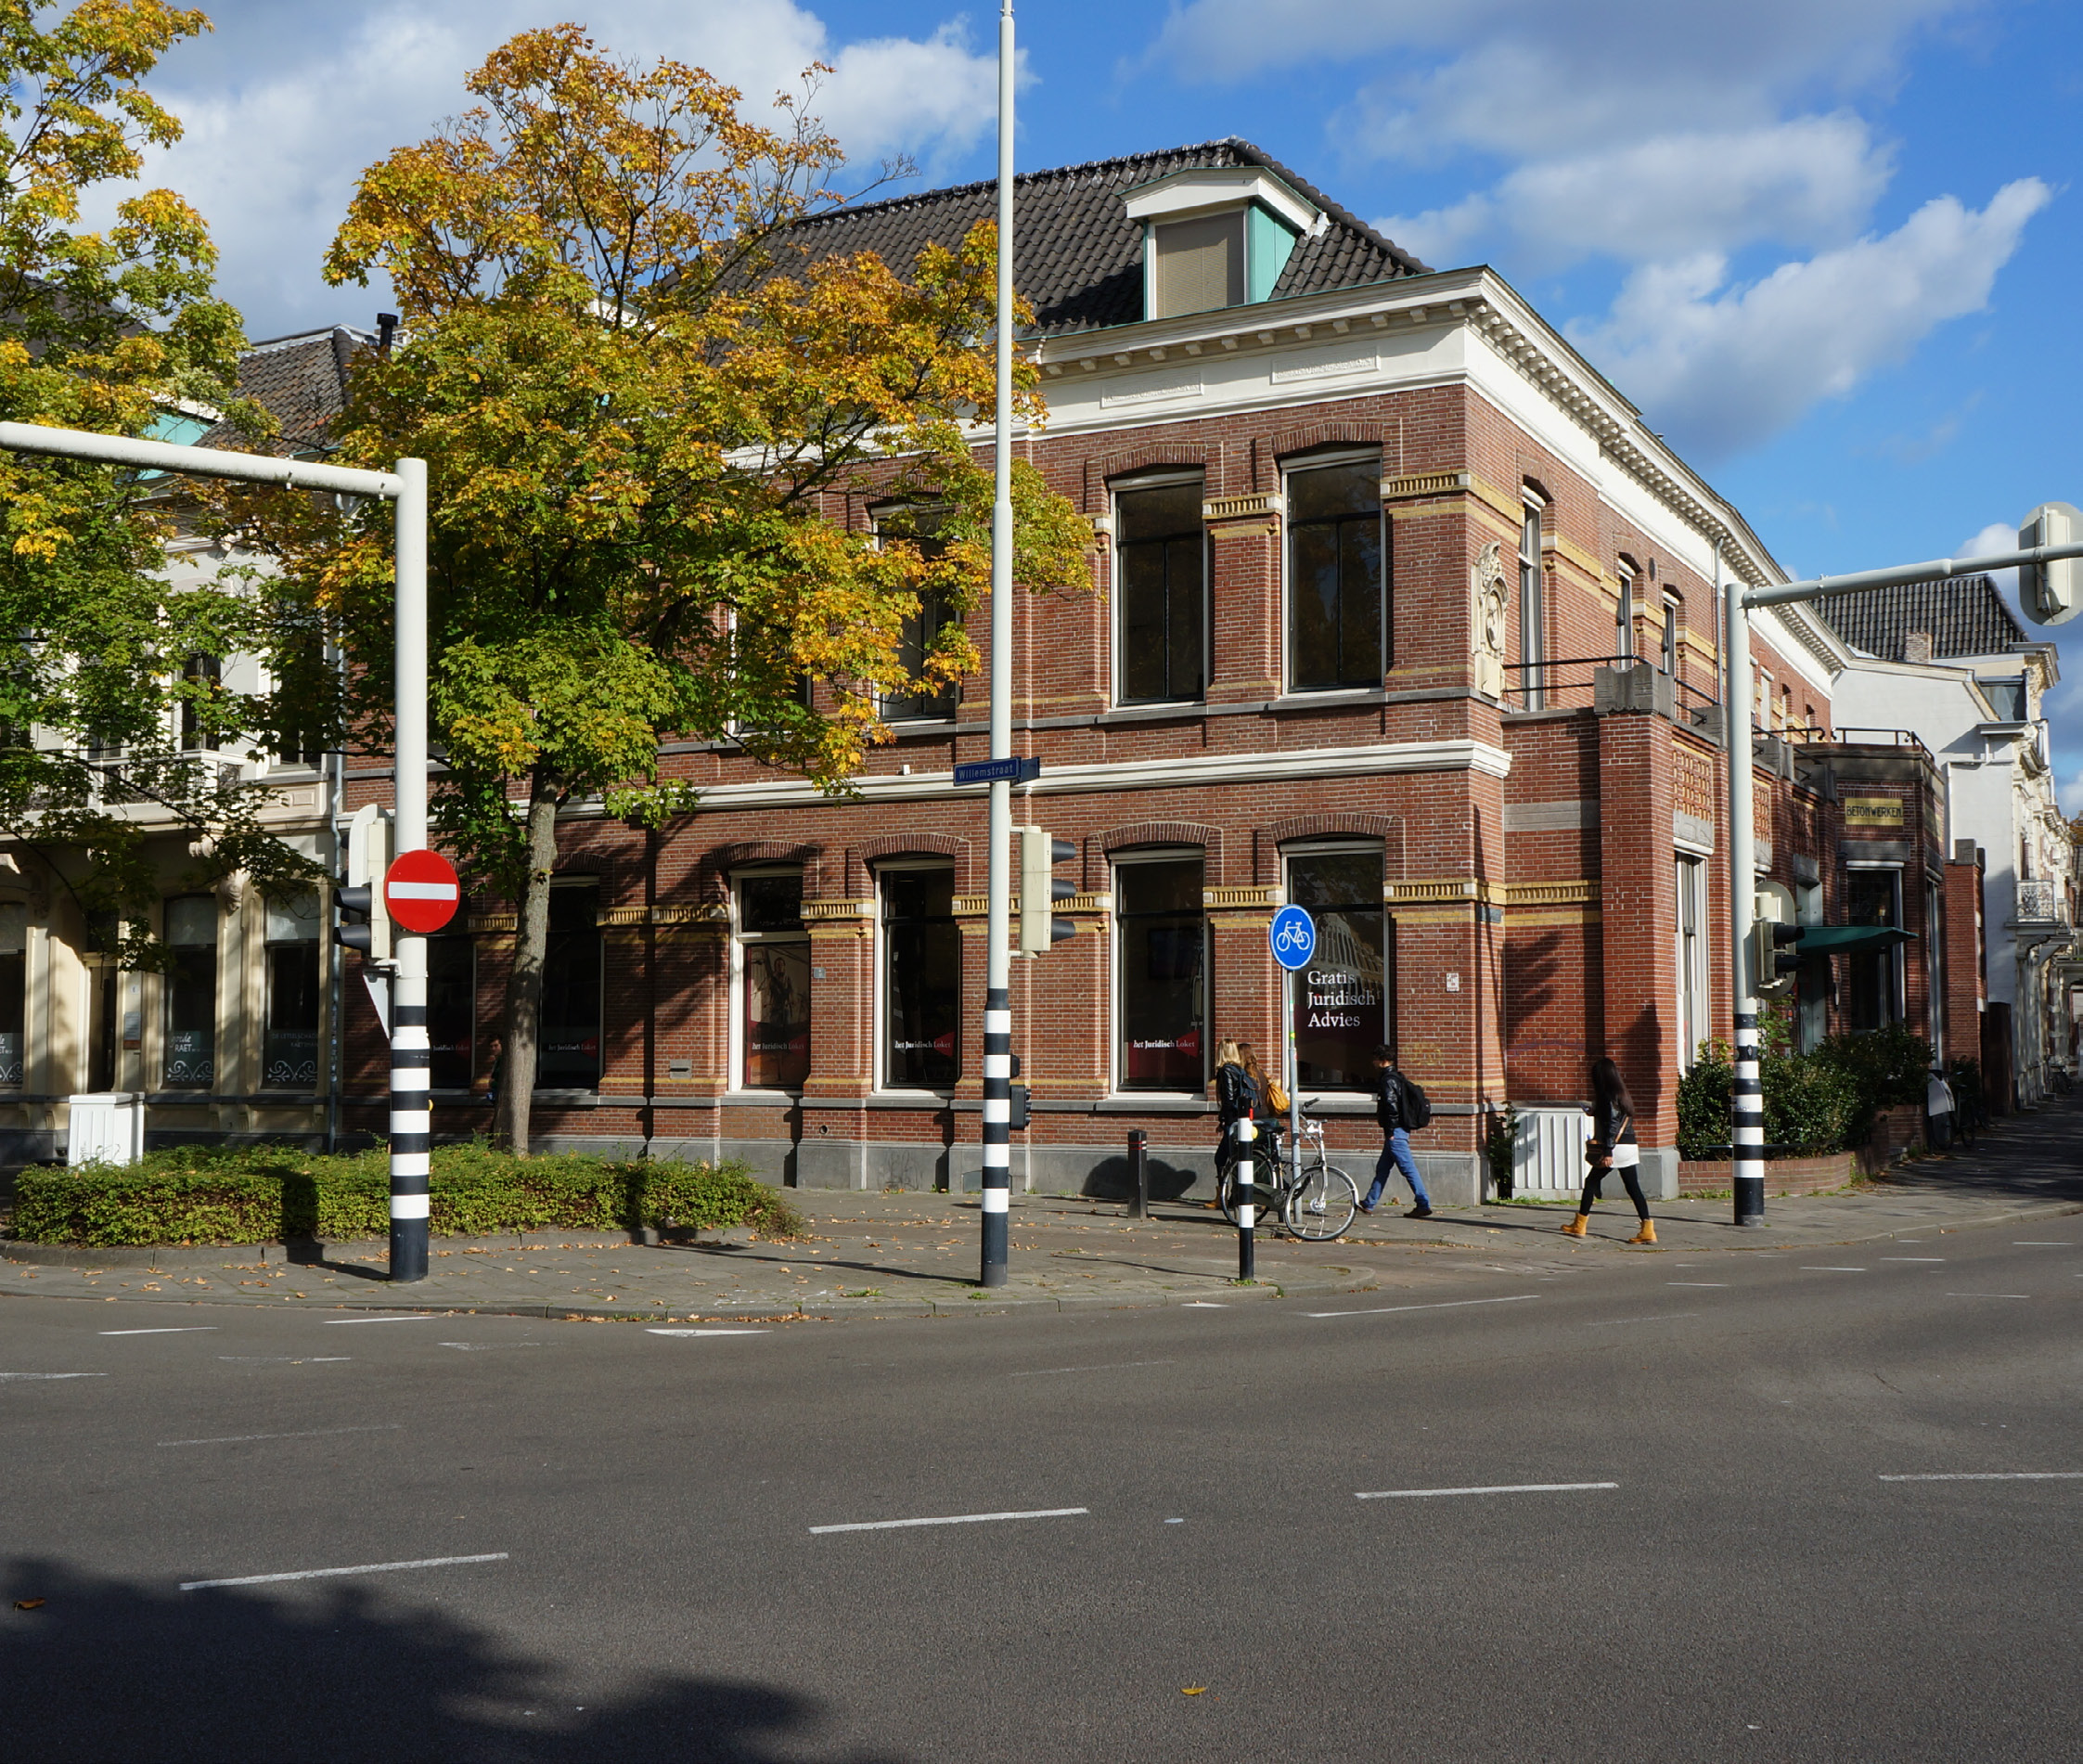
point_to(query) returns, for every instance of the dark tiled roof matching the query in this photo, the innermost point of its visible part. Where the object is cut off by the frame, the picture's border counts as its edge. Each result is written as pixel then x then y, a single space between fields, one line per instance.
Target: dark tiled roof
pixel 1962 614
pixel 301 380
pixel 1077 257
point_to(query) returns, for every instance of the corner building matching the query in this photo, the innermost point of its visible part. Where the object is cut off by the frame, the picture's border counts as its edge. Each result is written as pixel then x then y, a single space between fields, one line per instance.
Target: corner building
pixel 1399 612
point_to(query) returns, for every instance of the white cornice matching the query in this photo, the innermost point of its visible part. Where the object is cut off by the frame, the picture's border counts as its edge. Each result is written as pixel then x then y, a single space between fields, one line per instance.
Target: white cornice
pixel 1196 769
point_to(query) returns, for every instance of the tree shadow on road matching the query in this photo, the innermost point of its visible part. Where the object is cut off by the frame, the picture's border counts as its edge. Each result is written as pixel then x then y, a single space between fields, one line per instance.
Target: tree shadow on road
pixel 113 1669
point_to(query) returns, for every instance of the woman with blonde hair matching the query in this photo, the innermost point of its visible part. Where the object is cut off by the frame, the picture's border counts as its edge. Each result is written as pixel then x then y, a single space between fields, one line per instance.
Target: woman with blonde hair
pixel 1237 1094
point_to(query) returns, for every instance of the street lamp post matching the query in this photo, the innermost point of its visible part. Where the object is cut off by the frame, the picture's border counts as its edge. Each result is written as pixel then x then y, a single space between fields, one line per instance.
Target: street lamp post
pixel 2055 599
pixel 406 487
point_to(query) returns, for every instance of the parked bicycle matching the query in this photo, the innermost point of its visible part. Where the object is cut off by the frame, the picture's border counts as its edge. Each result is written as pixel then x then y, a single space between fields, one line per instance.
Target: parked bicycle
pixel 1306 1194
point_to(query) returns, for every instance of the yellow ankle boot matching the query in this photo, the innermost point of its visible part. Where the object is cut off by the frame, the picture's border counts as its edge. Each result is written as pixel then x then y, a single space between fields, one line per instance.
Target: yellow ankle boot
pixel 1646 1235
pixel 1575 1227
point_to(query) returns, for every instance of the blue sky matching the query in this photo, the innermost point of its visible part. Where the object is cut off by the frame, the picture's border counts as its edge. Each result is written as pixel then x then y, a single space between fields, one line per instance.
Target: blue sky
pixel 1832 250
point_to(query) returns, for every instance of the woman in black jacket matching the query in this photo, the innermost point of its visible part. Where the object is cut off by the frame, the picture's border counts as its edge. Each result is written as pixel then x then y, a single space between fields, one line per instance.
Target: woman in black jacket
pixel 1235 1099
pixel 1612 1147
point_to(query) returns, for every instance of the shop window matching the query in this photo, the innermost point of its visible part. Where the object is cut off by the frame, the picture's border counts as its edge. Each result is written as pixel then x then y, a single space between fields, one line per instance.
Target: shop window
pixel 14 988
pixel 1344 1010
pixel 921 980
pixel 569 1059
pixel 452 1011
pixel 289 1040
pixel 773 983
pixel 1163 974
pixel 1161 551
pixel 1873 976
pixel 191 993
pixel 1337 576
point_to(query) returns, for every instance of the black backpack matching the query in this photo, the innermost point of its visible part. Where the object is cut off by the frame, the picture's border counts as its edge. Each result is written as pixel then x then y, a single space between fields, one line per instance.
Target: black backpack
pixel 1417 1105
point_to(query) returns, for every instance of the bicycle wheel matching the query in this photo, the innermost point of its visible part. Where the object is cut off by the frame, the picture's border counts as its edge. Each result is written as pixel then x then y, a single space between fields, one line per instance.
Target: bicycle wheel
pixel 1322 1204
pixel 1264 1198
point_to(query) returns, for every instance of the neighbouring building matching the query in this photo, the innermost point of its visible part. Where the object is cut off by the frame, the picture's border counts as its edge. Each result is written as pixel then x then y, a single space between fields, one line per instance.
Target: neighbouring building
pixel 1948 659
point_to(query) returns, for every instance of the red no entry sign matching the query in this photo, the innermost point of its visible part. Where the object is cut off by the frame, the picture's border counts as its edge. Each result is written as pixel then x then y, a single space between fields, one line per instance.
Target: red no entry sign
pixel 420 891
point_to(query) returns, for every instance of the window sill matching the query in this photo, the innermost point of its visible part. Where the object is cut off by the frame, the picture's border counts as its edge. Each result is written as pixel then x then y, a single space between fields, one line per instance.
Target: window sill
pixel 1299 698
pixel 758 1099
pixel 1154 711
pixel 1152 1102
pixel 548 1099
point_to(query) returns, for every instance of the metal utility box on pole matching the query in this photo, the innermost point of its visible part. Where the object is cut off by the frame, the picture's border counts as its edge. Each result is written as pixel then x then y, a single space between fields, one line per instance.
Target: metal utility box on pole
pixel 2051 594
pixel 407 489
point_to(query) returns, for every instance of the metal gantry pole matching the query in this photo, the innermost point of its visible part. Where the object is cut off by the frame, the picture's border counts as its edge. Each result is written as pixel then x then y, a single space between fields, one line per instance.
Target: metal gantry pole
pixel 1747 1103
pixel 998 996
pixel 411 1054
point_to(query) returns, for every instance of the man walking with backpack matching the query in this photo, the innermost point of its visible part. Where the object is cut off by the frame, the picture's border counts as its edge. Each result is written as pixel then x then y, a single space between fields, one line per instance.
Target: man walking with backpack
pixel 1400 1104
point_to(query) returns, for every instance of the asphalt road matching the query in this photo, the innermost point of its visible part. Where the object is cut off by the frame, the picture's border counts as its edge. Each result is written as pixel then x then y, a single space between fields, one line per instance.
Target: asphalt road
pixel 639 1561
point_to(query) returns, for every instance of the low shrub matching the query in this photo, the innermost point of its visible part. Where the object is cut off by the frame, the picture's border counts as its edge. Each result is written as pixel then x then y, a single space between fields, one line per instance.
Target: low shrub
pixel 1816 1103
pixel 265 1195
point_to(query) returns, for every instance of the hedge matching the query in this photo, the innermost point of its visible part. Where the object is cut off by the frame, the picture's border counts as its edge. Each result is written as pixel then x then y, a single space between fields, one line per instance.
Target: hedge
pixel 268 1194
pixel 1821 1101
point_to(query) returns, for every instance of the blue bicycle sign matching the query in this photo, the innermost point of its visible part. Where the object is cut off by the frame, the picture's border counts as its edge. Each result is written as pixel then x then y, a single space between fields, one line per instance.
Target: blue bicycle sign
pixel 1293 936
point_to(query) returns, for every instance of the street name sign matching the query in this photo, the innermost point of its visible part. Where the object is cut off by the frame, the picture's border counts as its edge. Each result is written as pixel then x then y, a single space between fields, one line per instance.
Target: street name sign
pixel 1021 769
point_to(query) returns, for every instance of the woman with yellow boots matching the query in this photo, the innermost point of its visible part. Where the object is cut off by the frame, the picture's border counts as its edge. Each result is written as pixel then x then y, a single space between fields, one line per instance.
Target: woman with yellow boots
pixel 1612 1147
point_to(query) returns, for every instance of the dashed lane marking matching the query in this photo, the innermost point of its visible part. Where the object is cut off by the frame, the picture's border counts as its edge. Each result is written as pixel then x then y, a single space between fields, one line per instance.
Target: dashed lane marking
pixel 706 1332
pixel 1444 1304
pixel 181 1329
pixel 1113 1365
pixel 408 1317
pixel 1661 1317
pixel 1994 1476
pixel 327 1574
pixel 1988 1294
pixel 1496 1488
pixel 951 1519
pixel 315 1433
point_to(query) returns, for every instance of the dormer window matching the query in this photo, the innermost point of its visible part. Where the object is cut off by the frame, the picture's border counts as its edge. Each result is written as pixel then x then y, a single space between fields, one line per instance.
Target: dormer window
pixel 1215 238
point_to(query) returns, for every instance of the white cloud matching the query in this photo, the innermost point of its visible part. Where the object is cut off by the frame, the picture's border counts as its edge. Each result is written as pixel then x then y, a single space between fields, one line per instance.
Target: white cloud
pixel 1724 368
pixel 281 117
pixel 1809 182
pixel 1997 536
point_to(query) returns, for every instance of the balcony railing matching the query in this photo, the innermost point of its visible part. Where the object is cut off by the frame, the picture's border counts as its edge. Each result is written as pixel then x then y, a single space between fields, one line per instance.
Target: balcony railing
pixel 2040 903
pixel 1565 683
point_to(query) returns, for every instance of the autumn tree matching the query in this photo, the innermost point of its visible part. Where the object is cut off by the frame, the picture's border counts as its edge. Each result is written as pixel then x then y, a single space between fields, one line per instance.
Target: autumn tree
pixel 112 330
pixel 638 401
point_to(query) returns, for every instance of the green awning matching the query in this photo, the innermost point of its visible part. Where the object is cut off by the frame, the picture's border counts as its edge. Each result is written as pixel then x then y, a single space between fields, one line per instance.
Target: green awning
pixel 1849 940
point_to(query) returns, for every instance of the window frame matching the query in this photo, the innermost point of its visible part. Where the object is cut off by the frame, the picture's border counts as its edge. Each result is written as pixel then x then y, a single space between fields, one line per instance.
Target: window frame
pixel 269 945
pixel 20 1062
pixel 1117 1078
pixel 1330 459
pixel 1696 1006
pixel 1624 614
pixel 884 871
pixel 1118 672
pixel 574 884
pixel 952 693
pixel 1898 1005
pixel 740 939
pixel 1533 605
pixel 1674 633
pixel 167 992
pixel 1349 846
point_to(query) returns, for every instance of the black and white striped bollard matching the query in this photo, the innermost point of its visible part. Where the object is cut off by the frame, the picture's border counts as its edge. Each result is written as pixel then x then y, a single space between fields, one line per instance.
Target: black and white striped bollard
pixel 1247 1210
pixel 1747 1117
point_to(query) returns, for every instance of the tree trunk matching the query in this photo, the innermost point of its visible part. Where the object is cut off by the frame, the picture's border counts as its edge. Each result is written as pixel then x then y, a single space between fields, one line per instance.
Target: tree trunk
pixel 524 987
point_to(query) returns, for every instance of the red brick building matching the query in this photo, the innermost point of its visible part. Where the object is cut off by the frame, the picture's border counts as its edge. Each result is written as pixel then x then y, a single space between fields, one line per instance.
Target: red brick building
pixel 1400 612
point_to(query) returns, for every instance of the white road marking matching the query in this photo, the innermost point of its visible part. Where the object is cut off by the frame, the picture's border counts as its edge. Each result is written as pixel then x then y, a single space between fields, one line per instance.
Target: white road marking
pixel 2041 1243
pixel 1202 1305
pixel 326 1573
pixel 316 1432
pixel 1808 1268
pixel 1661 1317
pixel 183 1329
pixel 953 1519
pixel 1995 1475
pixel 1499 1489
pixel 1988 1294
pixel 1720 1284
pixel 409 1317
pixel 707 1332
pixel 53 1374
pixel 287 1359
pixel 1118 1365
pixel 1912 1258
pixel 1445 1305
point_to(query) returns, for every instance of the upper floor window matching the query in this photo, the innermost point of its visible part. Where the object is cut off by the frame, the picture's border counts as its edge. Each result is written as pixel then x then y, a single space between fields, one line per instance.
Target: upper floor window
pixel 204 680
pixel 1199 264
pixel 2007 697
pixel 1624 614
pixel 919 527
pixel 1162 585
pixel 1673 623
pixel 1337 574
pixel 1533 645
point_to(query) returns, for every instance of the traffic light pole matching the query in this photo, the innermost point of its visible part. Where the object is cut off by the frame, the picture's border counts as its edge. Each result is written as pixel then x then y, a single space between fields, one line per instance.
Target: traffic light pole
pixel 406 488
pixel 1747 1102
pixel 997 1195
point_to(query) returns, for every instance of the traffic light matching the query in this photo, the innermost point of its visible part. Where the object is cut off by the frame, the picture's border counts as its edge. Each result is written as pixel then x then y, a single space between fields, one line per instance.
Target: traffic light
pixel 1772 964
pixel 2051 593
pixel 363 924
pixel 1040 890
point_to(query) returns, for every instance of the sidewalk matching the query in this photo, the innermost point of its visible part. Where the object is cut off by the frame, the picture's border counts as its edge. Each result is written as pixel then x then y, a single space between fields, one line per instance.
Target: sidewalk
pixel 912 1255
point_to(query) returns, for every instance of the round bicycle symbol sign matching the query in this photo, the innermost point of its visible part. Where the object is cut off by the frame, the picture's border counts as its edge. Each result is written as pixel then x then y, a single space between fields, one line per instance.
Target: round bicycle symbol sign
pixel 1293 936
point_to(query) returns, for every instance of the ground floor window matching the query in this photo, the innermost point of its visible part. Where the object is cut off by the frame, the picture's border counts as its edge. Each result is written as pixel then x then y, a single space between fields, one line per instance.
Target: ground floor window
pixel 921 980
pixel 773 983
pixel 1343 1001
pixel 452 1011
pixel 191 993
pixel 1162 974
pixel 290 1042
pixel 14 988
pixel 1691 875
pixel 571 1032
pixel 1873 977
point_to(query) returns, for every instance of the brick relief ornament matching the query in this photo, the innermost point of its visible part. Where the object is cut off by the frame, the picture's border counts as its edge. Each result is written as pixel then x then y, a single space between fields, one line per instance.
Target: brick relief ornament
pixel 1486 618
